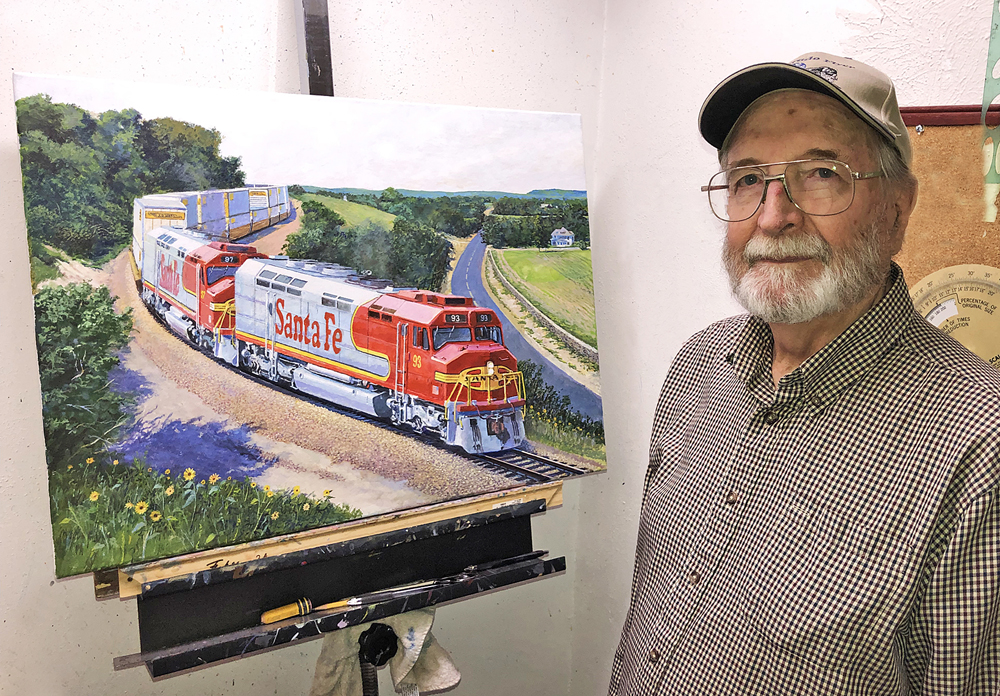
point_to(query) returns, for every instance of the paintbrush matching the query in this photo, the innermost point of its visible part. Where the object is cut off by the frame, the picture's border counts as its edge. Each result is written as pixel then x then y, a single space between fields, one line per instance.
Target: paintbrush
pixel 304 606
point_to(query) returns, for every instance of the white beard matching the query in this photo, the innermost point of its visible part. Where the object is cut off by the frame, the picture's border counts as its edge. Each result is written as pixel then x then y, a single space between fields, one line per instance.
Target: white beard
pixel 778 295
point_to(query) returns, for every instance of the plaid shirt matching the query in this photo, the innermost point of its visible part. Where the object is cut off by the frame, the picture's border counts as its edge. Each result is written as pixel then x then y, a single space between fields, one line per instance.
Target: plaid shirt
pixel 837 535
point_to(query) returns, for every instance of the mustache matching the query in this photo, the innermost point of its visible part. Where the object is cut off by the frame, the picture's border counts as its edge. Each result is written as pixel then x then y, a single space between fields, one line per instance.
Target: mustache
pixel 761 248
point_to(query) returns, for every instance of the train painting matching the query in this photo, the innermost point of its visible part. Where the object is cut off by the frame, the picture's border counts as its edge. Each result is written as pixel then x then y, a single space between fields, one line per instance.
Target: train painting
pixel 253 322
pixel 433 362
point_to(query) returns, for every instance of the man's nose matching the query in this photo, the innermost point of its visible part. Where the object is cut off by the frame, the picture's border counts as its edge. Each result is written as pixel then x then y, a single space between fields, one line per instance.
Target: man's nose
pixel 777 211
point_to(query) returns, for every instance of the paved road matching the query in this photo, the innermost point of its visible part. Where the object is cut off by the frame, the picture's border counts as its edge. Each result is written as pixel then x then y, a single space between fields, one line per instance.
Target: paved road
pixel 468 280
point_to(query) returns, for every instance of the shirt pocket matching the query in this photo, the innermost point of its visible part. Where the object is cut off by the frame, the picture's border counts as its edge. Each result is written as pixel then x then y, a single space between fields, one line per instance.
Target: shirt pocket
pixel 827 587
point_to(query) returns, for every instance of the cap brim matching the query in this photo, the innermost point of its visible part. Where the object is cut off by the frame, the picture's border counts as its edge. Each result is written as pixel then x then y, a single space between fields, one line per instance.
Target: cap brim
pixel 733 95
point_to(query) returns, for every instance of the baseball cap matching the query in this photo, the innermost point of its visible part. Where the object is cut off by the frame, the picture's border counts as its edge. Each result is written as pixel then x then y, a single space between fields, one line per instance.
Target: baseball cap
pixel 868 92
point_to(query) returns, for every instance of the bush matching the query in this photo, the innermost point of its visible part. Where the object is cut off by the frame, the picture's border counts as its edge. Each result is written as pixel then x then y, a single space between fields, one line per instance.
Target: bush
pixel 544 402
pixel 78 334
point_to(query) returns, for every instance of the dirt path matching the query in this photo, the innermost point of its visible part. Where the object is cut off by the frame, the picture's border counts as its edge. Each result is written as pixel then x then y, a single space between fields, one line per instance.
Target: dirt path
pixel 314 472
pixel 273 241
pixel 72 271
pixel 331 451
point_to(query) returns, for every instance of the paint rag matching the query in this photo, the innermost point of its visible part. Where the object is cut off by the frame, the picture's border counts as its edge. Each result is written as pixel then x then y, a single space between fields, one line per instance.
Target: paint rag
pixel 420 664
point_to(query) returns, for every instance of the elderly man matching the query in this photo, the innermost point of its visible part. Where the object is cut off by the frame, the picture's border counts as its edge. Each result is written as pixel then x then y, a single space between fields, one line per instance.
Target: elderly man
pixel 821 512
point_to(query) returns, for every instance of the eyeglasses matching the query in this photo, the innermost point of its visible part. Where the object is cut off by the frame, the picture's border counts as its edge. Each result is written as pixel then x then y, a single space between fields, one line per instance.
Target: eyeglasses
pixel 816 187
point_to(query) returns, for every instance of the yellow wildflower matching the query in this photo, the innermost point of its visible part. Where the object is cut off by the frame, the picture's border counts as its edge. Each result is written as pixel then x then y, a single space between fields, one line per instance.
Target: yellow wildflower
pixel 90 460
pixel 129 506
pixel 274 515
pixel 295 491
pixel 270 494
pixel 214 479
pixel 155 516
pixel 170 490
pixel 267 488
pixel 327 492
pixel 166 472
pixel 94 495
pixel 115 462
pixel 253 484
pixel 141 507
pixel 69 468
pixel 203 482
pixel 149 469
pixel 188 474
pixel 229 478
pixel 306 506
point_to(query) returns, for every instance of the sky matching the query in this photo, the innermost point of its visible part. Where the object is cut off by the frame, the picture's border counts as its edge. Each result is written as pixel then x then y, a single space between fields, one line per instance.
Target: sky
pixel 353 143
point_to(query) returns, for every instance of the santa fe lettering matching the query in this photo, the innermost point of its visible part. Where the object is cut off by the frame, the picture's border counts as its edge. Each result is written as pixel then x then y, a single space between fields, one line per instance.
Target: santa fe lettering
pixel 301 329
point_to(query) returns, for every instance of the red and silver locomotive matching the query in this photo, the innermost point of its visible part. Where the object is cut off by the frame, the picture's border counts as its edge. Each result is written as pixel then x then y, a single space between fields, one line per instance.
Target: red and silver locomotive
pixel 434 362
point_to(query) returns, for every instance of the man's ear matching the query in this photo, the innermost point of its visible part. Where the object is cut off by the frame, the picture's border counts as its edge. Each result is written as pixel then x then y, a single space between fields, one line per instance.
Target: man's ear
pixel 905 200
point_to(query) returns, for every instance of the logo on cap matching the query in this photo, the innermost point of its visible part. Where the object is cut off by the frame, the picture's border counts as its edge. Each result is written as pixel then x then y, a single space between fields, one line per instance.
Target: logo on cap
pixel 826 72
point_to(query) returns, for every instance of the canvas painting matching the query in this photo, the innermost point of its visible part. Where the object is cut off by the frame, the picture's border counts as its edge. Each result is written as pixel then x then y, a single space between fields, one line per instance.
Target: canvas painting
pixel 258 313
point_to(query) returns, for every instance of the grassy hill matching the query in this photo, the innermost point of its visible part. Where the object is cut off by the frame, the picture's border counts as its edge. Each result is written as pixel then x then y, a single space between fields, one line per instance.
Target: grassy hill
pixel 353 213
pixel 558 283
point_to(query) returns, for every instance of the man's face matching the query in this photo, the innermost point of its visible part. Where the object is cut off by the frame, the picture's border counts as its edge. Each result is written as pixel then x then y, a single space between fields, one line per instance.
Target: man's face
pixel 789 267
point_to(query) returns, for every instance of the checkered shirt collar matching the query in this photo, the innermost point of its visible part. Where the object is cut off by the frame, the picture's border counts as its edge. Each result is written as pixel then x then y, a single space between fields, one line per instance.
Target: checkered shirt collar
pixel 839 364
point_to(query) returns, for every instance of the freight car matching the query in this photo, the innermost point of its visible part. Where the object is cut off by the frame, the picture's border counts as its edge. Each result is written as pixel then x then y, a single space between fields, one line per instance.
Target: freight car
pixel 435 363
pixel 222 214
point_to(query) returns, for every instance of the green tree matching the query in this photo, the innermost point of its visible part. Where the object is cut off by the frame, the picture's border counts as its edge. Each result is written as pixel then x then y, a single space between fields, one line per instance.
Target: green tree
pixel 185 157
pixel 372 249
pixel 322 236
pixel 78 334
pixel 419 256
pixel 81 172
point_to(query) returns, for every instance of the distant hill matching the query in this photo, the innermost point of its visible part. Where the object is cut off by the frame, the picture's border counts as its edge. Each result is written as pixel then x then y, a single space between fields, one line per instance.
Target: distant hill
pixel 541 193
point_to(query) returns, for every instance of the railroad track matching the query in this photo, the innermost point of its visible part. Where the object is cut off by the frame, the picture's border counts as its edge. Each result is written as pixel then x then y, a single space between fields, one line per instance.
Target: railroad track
pixel 527 466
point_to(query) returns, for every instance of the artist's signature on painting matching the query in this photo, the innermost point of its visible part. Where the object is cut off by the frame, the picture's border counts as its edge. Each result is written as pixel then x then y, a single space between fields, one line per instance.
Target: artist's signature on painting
pixel 225 562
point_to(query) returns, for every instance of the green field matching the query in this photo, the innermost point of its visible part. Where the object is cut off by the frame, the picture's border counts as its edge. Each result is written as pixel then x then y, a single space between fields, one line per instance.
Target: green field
pixel 353 213
pixel 559 283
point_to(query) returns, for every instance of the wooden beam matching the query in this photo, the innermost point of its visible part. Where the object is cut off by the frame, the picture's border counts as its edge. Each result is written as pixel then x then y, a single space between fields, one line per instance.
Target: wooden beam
pixel 955 115
pixel 132 578
pixel 106 584
pixel 318 57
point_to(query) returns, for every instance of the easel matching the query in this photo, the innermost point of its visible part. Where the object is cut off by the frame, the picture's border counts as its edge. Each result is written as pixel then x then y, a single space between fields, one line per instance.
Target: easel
pixel 205 607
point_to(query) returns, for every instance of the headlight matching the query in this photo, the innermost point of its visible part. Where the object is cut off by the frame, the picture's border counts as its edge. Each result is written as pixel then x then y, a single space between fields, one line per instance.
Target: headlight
pixel 489 367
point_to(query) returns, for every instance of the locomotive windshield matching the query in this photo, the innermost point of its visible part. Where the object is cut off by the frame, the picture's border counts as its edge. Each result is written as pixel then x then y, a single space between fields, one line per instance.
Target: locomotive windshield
pixel 488 333
pixel 451 334
pixel 214 274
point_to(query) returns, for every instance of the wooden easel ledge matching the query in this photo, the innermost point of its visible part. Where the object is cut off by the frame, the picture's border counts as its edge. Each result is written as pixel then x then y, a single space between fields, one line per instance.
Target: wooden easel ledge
pixel 132 579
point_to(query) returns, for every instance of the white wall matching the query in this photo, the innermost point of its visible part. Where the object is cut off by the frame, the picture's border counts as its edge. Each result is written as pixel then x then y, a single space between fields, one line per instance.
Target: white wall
pixel 638 71
pixel 656 243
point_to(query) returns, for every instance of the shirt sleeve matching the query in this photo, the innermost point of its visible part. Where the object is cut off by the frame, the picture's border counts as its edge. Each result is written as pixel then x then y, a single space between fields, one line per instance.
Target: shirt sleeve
pixel 953 647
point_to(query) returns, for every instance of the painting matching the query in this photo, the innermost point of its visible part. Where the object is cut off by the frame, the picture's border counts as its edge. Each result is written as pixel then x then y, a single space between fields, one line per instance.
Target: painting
pixel 258 313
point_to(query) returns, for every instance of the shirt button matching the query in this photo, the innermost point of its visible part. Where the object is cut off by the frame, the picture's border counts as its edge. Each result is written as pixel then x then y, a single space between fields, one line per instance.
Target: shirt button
pixel 654 656
pixel 771 418
pixel 694 577
pixel 730 357
pixel 732 497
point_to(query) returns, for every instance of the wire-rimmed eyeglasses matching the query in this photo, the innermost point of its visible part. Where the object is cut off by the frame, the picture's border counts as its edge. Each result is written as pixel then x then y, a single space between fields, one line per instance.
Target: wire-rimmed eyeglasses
pixel 816 187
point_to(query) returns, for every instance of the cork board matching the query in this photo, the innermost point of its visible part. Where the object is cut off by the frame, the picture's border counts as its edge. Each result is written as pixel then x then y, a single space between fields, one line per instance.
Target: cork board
pixel 947 226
